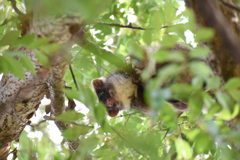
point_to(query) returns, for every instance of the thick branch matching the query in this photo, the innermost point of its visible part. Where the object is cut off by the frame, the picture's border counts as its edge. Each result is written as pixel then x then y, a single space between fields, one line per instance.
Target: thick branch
pixel 19 99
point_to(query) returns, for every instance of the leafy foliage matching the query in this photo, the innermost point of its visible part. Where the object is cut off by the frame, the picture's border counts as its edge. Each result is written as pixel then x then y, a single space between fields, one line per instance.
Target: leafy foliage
pixel 132 135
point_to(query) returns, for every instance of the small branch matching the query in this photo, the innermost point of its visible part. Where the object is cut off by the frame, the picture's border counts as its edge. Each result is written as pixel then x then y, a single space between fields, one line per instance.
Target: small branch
pixel 130 26
pixel 14 6
pixel 230 6
pixel 165 134
pixel 14 152
pixel 124 126
pixel 123 26
pixel 73 76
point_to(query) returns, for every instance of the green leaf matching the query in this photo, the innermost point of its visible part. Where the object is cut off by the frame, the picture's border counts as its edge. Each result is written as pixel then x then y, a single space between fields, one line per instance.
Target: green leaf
pixel 183 149
pixel 43 59
pixel 27 63
pixel 50 48
pixel 225 101
pixel 70 116
pixel 3 66
pixel 14 66
pixel 235 93
pixel 195 103
pixel 147 37
pixel 165 56
pixel 199 52
pixel 226 115
pixel 226 153
pixel 24 41
pixel 170 11
pixel 75 131
pixel 213 83
pixel 9 38
pixel 233 83
pixel 169 115
pixel 100 113
pixel 157 19
pixel 203 143
pixel 135 49
pixel 204 34
pixel 169 40
pixel 182 90
pixel 39 42
pixel 71 93
pixel 200 69
pixel 88 144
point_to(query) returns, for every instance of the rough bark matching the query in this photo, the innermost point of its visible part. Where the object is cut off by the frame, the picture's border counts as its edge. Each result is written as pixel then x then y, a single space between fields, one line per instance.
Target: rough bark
pixel 19 101
pixel 224 20
pixel 224 17
pixel 21 98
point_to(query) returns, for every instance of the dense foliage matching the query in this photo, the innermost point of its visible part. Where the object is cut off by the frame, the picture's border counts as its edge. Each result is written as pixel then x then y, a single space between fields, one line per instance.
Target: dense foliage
pixel 132 135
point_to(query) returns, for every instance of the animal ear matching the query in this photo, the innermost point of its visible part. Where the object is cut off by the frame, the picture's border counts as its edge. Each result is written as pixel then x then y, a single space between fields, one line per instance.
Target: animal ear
pixel 98 83
pixel 113 113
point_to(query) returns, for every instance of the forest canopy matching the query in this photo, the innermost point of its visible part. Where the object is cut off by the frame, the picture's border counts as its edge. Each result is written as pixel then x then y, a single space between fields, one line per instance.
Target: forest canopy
pixel 50 51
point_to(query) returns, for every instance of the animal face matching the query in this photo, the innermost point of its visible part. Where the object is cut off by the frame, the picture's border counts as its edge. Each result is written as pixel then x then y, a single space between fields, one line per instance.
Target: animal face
pixel 115 91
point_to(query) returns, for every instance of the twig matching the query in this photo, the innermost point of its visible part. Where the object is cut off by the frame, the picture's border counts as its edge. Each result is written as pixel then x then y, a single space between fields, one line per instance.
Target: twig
pixel 165 134
pixel 124 126
pixel 73 76
pixel 123 26
pixel 14 152
pixel 230 6
pixel 128 143
pixel 15 7
pixel 130 26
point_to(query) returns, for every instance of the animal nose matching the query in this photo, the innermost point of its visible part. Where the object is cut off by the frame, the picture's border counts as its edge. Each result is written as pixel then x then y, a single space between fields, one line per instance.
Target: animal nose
pixel 110 102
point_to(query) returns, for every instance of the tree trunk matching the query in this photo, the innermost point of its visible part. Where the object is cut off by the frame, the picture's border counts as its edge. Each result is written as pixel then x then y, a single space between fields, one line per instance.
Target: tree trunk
pixel 225 21
pixel 21 98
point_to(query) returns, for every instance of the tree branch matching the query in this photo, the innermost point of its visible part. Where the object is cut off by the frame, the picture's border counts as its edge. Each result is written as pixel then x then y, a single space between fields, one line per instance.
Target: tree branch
pixel 225 44
pixel 73 76
pixel 129 26
pixel 123 26
pixel 14 6
pixel 230 6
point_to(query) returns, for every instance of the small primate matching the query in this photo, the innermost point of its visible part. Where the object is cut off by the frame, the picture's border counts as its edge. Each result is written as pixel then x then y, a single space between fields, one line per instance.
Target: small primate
pixel 119 91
